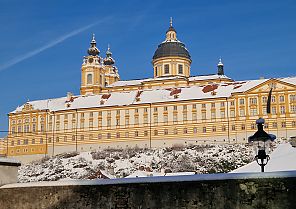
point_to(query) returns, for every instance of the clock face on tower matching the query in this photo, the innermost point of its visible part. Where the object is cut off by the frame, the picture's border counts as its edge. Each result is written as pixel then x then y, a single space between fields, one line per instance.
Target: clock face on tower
pixel 90 60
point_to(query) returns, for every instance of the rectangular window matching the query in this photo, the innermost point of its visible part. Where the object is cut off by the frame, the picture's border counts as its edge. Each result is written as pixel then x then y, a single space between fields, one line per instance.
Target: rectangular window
pixel 283 124
pixel 243 126
pixel 283 110
pixel 232 103
pixel 195 130
pixel 203 105
pixel 109 122
pixel 155 118
pixel 185 117
pixel 242 112
pixel 273 110
pixel 204 129
pixel 165 119
pixel 156 71
pixel 222 114
pixel 214 129
pixel 166 131
pixel 253 111
pixel 293 108
pixel 264 100
pixel 194 116
pixel 222 104
pixel 165 108
pixel 185 131
pixel 175 118
pixel 91 124
pixel 274 125
pixel 175 107
pixel 145 119
pixel 253 100
pixel 194 106
pixel 212 105
pixel 137 120
pixel 232 113
pixel 203 115
pixel 282 98
pixel 264 110
pixel 233 127
pixel 91 114
pixel 241 101
pixel 213 114
pixel 180 69
pixel 117 122
pixel 166 69
pixel 108 135
pixel 126 121
pixel 117 135
pixel 292 97
pixel 273 99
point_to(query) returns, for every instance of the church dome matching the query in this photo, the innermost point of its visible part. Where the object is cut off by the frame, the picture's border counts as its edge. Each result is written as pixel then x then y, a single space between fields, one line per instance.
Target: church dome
pixel 171 48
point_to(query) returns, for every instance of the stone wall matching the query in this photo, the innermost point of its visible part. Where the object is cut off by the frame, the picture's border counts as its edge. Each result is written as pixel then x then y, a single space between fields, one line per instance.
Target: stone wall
pixel 8 171
pixel 211 191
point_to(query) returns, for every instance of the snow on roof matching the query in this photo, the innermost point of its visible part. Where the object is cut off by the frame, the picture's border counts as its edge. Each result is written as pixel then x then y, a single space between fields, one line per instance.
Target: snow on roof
pixel 242 86
pixel 291 80
pixel 196 92
pixel 281 159
pixel 208 77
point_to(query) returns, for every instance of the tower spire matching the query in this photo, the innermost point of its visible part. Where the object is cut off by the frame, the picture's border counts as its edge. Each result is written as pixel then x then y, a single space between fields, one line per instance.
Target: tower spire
pixel 171 22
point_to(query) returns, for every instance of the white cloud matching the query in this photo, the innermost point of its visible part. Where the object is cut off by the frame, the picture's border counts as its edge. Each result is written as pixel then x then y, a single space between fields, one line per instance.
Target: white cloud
pixel 48 45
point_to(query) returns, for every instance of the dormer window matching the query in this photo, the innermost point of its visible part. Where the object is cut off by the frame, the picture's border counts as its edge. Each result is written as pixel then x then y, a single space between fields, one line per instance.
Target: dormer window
pixel 166 69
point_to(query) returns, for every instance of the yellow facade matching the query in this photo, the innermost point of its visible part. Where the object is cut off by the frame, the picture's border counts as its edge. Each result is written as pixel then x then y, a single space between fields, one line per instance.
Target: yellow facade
pixel 161 111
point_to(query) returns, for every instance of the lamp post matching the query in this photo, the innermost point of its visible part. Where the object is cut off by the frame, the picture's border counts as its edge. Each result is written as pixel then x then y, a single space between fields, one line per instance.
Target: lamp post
pixel 261 139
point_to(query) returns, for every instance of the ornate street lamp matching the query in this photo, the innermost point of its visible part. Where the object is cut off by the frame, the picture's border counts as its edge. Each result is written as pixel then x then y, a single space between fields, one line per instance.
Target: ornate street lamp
pixel 261 139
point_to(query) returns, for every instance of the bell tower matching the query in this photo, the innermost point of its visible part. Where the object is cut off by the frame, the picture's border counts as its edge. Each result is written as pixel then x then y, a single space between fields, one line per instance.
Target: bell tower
pixel 111 71
pixel 92 71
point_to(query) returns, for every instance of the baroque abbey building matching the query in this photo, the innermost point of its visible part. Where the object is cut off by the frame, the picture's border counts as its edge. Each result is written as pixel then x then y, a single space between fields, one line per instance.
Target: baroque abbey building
pixel 171 108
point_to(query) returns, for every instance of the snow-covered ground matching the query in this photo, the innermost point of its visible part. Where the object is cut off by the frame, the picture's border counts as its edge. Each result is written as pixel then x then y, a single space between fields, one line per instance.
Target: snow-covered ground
pixel 281 159
pixel 121 163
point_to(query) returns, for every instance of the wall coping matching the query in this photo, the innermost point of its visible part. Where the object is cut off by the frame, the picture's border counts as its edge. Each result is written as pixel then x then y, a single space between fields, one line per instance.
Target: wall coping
pixel 157 179
pixel 9 162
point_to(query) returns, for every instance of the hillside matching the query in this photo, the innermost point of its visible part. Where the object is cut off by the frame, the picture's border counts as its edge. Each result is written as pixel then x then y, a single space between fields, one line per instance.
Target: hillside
pixel 120 163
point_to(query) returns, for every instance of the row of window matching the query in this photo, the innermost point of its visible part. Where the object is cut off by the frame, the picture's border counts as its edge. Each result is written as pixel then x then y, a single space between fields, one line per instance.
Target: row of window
pixel 253 112
pixel 281 98
pixel 156 132
pixel 167 69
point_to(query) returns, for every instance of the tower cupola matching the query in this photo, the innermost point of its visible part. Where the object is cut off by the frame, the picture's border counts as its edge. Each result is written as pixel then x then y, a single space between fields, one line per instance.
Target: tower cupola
pixel 108 60
pixel 93 50
pixel 220 67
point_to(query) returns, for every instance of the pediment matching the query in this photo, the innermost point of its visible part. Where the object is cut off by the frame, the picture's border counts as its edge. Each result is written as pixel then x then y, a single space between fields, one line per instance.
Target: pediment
pixel 275 84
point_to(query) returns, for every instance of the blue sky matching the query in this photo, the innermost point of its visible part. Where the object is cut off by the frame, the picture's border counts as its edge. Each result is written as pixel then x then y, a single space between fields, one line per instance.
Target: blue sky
pixel 42 43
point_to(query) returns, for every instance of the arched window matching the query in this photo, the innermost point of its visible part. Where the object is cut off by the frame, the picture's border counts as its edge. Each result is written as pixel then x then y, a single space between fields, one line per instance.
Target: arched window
pixel 89 79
